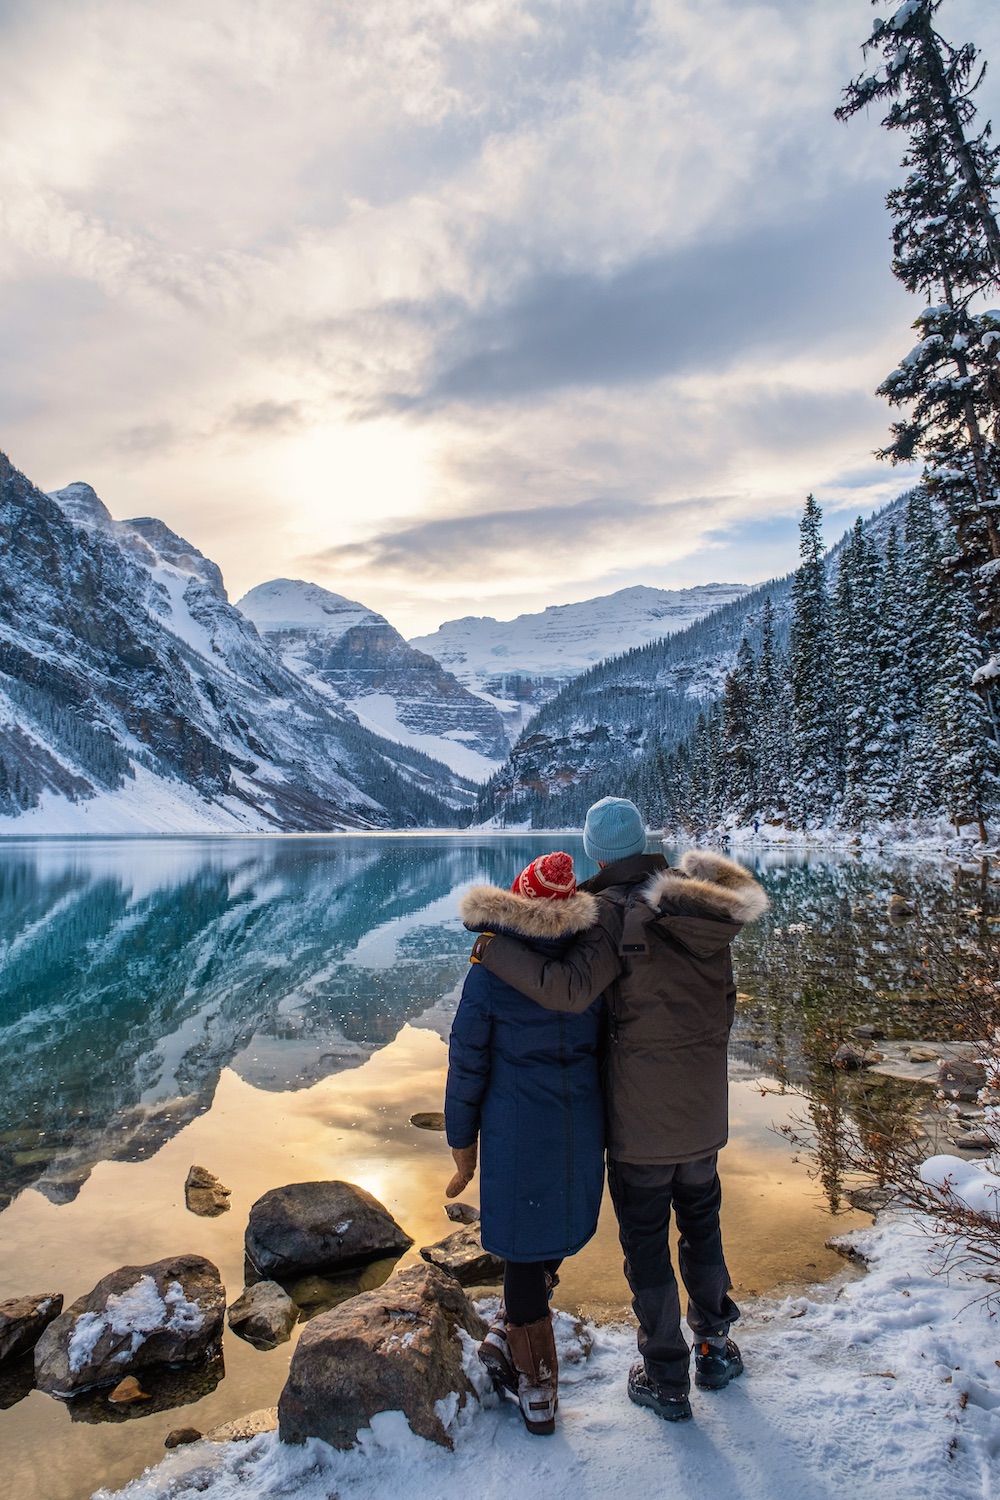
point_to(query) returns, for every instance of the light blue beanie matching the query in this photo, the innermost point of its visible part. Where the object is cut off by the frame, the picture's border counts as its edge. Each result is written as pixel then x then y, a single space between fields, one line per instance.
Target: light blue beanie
pixel 613 830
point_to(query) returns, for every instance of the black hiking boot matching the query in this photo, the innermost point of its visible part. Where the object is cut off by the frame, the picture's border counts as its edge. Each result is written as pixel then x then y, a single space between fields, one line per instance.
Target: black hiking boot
pixel 669 1402
pixel 714 1368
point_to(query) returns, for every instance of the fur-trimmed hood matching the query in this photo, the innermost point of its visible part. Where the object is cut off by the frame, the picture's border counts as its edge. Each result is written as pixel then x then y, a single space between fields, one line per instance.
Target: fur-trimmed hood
pixel 712 881
pixel 488 908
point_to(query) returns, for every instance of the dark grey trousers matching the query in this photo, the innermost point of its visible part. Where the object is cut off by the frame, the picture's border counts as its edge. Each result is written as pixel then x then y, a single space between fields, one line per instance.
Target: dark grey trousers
pixel 643 1197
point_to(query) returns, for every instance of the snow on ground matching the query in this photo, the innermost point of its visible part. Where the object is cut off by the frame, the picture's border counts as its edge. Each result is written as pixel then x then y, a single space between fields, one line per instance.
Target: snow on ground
pixel 379 713
pixel 885 1388
pixel 917 836
pixel 143 805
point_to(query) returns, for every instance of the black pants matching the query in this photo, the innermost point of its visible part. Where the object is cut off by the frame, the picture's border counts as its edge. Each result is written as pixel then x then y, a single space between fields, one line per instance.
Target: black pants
pixel 643 1197
pixel 526 1291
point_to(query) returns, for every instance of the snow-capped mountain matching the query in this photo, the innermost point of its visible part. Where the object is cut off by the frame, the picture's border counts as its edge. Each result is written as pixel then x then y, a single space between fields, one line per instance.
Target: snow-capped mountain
pixel 354 656
pixel 134 698
pixel 522 663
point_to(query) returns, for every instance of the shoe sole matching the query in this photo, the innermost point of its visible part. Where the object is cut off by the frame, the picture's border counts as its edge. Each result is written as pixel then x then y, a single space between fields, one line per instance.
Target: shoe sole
pixel 682 1414
pixel 503 1375
pixel 718 1385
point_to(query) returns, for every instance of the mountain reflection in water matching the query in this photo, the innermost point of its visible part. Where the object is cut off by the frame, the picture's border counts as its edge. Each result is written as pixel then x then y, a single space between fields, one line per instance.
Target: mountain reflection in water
pixel 132 973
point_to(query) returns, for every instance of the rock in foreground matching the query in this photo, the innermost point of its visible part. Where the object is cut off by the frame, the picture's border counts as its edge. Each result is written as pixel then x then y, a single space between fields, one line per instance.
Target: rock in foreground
pixel 395 1349
pixel 461 1254
pixel 205 1195
pixel 23 1320
pixel 319 1226
pixel 264 1315
pixel 169 1312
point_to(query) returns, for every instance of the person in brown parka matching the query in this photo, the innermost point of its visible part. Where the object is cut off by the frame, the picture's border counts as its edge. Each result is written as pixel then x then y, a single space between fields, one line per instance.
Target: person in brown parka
pixel 660 954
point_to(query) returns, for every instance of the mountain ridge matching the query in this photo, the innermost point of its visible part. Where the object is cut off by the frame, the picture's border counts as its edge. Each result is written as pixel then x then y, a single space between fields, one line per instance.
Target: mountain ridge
pixel 134 697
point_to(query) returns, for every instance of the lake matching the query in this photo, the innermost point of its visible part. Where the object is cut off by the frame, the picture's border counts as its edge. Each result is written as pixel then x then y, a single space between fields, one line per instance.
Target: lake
pixel 275 1009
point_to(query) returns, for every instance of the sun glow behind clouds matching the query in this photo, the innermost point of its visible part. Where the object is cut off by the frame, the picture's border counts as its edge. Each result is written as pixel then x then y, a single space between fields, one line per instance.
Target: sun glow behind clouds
pixel 450 306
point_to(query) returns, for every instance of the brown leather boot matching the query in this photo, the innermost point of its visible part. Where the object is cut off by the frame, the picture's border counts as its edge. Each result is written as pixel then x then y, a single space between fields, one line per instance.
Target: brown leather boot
pixel 533 1351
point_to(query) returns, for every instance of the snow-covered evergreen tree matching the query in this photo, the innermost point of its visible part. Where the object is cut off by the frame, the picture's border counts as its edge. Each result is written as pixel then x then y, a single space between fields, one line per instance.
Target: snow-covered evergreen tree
pixel 968 751
pixel 738 735
pixel 813 781
pixel 867 778
pixel 771 718
pixel 947 248
pixel 895 697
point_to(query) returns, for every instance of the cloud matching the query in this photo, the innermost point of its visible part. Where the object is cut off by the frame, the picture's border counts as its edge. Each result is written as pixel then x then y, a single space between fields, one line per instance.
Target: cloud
pixel 774 290
pixel 370 282
pixel 266 416
pixel 505 542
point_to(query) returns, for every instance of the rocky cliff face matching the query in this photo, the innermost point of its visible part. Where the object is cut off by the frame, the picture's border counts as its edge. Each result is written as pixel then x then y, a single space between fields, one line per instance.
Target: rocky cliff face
pixel 355 656
pixel 135 698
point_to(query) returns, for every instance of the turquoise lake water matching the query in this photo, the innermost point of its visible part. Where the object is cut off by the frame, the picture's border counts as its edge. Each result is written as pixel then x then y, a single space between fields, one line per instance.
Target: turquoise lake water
pixel 275 1009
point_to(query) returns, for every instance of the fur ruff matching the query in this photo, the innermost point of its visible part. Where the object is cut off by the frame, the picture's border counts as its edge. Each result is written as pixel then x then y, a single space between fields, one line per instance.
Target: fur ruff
pixel 711 880
pixel 487 907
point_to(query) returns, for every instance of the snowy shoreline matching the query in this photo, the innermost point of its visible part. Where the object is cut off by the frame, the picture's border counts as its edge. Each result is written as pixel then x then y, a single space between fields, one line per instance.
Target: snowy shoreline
pixel 854 1388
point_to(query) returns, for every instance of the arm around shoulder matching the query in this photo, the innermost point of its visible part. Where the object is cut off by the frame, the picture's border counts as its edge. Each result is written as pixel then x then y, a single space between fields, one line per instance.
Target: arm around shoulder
pixel 571 983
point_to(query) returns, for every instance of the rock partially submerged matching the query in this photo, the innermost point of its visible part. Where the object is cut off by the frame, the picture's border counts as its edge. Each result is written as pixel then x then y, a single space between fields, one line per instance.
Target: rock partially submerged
pixel 428 1119
pixel 961 1078
pixel 170 1312
pixel 179 1436
pixel 205 1195
pixel 264 1315
pixel 242 1429
pixel 128 1391
pixel 461 1254
pixel 851 1057
pixel 394 1349
pixel 23 1320
pixel 462 1213
pixel 319 1226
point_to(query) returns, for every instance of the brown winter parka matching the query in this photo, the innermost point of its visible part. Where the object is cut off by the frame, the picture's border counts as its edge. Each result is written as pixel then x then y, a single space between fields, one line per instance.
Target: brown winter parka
pixel 660 955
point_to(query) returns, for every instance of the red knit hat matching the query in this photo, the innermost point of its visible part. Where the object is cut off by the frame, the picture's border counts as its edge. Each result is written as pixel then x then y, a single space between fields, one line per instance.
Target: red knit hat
pixel 549 876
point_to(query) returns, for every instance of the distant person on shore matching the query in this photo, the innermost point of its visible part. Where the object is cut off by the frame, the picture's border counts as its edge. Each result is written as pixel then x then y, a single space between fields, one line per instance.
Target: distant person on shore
pixel 524 1083
pixel 660 955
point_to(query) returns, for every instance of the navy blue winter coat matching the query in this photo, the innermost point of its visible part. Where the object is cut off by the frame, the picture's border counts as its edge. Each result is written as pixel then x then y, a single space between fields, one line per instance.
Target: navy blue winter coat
pixel 526 1082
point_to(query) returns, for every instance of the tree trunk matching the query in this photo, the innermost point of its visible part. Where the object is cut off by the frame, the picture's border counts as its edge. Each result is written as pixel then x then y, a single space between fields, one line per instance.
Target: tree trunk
pixel 963 154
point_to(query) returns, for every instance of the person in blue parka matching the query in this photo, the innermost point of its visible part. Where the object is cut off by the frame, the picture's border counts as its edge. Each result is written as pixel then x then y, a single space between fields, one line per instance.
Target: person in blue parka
pixel 524 1089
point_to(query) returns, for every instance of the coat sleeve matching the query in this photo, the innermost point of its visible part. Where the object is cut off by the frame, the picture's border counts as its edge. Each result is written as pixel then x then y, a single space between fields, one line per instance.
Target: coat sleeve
pixel 469 1057
pixel 730 993
pixel 571 983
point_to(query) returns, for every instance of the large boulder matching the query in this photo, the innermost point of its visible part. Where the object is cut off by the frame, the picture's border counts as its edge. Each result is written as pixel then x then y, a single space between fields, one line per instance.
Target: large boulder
pixel 23 1320
pixel 461 1254
pixel 170 1312
pixel 264 1315
pixel 394 1349
pixel 319 1226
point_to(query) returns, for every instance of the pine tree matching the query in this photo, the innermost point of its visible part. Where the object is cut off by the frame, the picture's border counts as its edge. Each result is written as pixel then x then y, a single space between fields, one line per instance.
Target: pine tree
pixel 813 720
pixel 859 682
pixel 738 743
pixel 927 591
pixel 771 721
pixel 947 247
pixel 895 697
pixel 969 752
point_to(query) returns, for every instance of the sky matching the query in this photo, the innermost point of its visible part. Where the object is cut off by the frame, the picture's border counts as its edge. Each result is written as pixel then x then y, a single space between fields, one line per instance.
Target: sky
pixel 453 306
